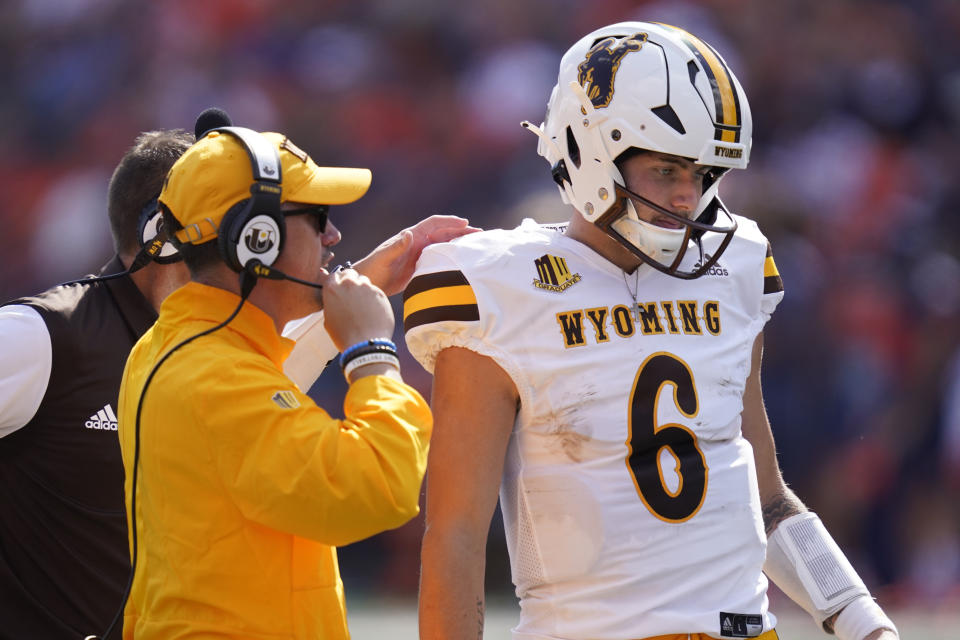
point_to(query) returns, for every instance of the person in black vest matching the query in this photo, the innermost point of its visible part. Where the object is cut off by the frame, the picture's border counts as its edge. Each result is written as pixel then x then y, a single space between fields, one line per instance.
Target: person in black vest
pixel 64 560
pixel 64 557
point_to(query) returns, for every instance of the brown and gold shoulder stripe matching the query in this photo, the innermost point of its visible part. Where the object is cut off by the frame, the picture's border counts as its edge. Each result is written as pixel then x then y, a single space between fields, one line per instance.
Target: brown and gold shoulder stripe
pixel 438 297
pixel 726 100
pixel 771 276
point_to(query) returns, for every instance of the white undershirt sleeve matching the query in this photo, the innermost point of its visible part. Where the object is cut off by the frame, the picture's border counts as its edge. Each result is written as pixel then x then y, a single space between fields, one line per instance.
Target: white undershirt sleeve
pixel 314 349
pixel 27 357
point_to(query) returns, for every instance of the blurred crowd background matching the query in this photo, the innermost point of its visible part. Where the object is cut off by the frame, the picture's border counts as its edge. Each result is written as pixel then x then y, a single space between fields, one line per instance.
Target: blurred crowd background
pixel 853 177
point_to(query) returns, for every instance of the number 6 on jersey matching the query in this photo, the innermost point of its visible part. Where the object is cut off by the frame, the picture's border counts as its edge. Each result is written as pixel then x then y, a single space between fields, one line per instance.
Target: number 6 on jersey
pixel 647 440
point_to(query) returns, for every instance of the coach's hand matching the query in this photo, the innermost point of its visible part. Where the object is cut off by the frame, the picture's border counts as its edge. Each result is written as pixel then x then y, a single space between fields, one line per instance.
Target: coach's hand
pixel 355 309
pixel 390 266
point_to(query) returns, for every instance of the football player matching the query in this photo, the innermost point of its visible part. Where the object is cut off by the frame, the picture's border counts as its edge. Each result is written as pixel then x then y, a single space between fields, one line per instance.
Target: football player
pixel 605 376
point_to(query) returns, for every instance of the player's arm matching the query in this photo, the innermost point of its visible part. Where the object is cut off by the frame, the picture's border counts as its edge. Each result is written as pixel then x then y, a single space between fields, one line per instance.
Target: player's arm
pixel 474 407
pixel 25 366
pixel 389 267
pixel 850 613
pixel 777 500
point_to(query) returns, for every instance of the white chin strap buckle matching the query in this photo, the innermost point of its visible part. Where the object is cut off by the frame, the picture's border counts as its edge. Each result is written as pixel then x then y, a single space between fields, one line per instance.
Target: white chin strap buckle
pixel 659 243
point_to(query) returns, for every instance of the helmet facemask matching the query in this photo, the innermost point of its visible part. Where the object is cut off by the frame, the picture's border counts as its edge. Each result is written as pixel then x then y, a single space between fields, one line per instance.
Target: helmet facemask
pixel 664 248
pixel 644 86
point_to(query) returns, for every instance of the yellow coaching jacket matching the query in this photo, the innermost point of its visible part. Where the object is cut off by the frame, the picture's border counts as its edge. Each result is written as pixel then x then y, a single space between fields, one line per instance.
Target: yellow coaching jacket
pixel 245 485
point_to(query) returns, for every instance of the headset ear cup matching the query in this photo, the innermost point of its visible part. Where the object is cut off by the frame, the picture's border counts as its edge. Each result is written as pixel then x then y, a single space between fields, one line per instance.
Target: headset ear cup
pixel 247 234
pixel 150 226
pixel 260 239
pixel 147 225
pixel 230 228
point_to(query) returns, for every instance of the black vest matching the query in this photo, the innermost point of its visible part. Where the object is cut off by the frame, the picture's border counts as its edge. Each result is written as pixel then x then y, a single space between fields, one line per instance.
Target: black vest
pixel 64 558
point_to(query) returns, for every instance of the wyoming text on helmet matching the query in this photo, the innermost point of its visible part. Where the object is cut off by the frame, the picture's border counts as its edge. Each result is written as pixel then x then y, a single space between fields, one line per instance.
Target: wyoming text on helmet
pixel 649 86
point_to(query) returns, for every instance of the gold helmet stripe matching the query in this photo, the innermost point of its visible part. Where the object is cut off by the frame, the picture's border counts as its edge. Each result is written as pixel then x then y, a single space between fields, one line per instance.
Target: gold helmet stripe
pixel 721 81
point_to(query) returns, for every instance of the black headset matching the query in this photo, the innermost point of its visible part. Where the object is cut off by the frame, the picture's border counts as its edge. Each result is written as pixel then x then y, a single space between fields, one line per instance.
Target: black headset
pixel 149 229
pixel 253 230
pixel 155 243
pixel 155 246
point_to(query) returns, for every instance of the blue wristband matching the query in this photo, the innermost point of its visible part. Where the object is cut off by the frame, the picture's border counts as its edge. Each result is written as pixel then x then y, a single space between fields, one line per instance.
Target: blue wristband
pixel 374 342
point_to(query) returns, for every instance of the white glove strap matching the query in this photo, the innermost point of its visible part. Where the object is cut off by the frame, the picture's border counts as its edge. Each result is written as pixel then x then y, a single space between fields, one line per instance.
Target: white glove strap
pixel 808 566
pixel 860 618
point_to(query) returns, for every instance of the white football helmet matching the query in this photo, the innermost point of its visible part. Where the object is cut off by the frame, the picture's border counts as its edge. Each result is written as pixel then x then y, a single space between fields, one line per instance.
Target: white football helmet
pixel 643 85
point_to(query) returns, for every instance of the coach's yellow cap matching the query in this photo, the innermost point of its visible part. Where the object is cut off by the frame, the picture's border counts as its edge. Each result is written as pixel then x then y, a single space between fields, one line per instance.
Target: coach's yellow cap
pixel 216 173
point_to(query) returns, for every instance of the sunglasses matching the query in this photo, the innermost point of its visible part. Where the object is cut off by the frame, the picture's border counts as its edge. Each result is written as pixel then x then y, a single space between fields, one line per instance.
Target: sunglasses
pixel 317 211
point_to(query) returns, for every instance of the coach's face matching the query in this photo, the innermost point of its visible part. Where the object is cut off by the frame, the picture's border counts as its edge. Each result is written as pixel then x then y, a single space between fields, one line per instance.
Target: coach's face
pixel 307 253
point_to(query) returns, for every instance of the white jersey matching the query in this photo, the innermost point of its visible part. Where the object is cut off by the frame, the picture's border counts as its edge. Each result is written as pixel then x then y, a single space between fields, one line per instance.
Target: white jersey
pixel 629 495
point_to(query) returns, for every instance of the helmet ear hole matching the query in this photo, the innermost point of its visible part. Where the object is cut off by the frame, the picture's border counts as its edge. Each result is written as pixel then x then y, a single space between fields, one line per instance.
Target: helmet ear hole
pixel 573 149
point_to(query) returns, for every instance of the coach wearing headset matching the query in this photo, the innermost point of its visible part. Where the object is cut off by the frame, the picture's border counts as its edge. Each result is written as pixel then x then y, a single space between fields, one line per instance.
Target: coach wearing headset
pixel 238 485
pixel 64 558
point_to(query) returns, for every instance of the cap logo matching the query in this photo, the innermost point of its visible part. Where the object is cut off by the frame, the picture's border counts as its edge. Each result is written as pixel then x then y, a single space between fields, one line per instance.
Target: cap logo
pixel 259 238
pixel 294 149
pixel 597 72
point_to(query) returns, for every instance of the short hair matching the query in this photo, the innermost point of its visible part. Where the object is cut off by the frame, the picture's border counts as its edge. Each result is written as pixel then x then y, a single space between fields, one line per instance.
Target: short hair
pixel 632 152
pixel 138 179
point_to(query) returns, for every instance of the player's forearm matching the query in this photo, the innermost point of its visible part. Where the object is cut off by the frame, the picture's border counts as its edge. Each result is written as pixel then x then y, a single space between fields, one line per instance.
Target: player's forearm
pixel 799 552
pixel 451 587
pixel 778 505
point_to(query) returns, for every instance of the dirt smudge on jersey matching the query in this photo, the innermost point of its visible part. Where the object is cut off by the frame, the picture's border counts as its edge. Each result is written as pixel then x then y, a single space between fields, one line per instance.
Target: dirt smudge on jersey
pixel 568 431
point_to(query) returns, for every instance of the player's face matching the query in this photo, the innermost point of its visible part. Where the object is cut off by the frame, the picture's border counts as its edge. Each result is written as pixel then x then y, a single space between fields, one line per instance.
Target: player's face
pixel 672 182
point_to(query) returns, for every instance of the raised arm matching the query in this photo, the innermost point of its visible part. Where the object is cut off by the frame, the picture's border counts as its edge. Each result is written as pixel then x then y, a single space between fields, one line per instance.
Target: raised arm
pixel 851 613
pixel 474 405
pixel 390 266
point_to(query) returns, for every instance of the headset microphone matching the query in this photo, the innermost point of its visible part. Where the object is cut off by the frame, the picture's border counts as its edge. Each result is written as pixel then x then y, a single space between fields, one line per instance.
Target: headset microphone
pixel 257 269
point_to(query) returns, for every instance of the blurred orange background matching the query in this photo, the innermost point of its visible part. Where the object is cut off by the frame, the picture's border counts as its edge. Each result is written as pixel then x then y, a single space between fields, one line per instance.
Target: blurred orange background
pixel 853 177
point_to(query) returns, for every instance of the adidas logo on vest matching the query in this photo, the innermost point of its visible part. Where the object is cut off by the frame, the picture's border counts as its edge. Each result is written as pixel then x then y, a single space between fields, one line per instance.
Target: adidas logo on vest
pixel 103 419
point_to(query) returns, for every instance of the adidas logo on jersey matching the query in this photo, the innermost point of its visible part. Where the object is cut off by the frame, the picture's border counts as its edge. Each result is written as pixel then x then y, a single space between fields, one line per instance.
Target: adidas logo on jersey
pixel 103 419
pixel 740 625
pixel 715 270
